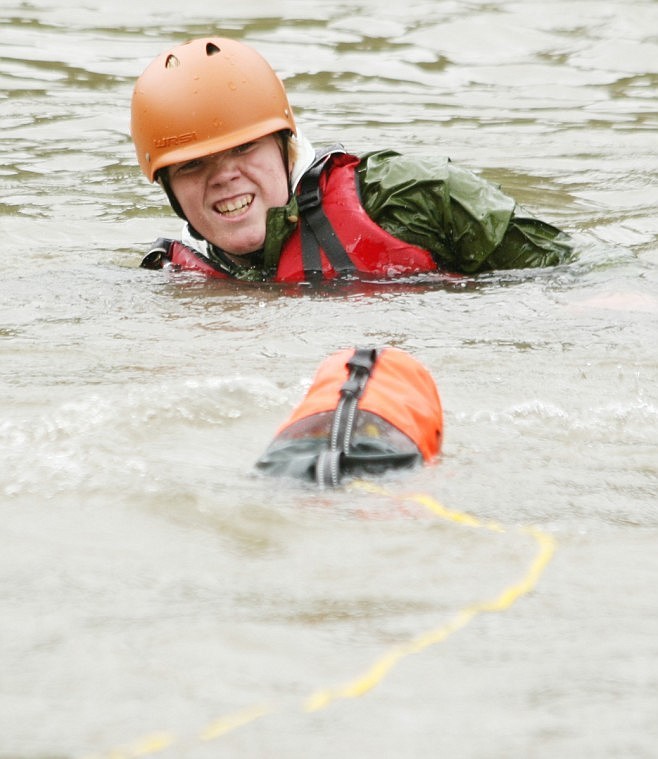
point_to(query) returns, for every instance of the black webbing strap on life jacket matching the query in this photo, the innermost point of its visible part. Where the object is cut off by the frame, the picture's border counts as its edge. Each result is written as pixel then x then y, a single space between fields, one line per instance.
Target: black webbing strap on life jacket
pixel 328 467
pixel 316 230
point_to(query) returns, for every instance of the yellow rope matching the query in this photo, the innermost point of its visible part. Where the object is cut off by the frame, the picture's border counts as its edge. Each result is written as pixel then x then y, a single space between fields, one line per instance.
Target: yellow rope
pixel 147 746
pixel 232 721
pixel 321 699
pixel 355 688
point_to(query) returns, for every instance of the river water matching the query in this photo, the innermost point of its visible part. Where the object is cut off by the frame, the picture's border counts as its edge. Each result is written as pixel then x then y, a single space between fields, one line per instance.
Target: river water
pixel 158 597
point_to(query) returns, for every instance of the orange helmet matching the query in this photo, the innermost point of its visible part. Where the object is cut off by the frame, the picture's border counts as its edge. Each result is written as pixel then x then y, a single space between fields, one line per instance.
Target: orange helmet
pixel 367 410
pixel 203 97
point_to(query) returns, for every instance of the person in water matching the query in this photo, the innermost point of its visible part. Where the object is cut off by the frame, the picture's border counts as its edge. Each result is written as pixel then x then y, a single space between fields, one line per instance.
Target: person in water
pixel 212 124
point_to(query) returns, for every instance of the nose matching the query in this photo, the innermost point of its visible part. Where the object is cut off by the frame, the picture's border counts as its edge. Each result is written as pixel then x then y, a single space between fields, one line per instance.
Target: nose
pixel 223 166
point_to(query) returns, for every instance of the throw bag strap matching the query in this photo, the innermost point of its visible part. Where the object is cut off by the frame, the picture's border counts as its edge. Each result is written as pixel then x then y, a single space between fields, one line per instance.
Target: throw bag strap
pixel 328 468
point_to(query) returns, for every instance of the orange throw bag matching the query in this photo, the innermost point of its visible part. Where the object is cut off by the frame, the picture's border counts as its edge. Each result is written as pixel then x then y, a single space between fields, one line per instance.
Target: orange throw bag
pixel 367 411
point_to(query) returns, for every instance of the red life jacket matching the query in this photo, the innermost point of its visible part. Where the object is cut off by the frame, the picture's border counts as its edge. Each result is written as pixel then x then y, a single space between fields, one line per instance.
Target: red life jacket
pixel 334 237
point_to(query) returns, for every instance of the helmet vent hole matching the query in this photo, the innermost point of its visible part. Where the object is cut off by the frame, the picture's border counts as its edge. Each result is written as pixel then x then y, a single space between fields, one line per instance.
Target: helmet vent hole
pixel 172 62
pixel 212 49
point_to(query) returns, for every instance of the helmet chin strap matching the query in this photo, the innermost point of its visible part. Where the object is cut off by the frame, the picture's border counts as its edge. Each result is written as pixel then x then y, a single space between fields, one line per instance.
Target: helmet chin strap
pixel 285 154
pixel 162 178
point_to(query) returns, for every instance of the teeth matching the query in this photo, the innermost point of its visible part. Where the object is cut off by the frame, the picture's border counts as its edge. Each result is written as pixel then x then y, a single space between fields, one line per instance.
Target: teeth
pixel 235 205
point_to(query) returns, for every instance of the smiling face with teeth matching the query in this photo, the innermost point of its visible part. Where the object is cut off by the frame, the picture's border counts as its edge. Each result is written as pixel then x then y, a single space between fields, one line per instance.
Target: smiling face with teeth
pixel 225 196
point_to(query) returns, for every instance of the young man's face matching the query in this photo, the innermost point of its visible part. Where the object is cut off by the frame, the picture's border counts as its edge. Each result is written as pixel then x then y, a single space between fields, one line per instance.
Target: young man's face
pixel 225 196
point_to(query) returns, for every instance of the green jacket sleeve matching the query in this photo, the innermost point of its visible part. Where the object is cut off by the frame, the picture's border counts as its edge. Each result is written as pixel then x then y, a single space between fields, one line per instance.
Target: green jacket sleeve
pixel 466 222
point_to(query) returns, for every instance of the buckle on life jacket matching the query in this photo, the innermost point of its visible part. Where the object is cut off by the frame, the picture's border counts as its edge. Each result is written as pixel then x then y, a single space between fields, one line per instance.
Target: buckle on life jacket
pixel 308 198
pixel 158 255
pixel 309 188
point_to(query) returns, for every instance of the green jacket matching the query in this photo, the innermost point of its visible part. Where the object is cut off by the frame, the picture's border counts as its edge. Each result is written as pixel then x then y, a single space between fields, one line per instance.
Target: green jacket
pixel 467 223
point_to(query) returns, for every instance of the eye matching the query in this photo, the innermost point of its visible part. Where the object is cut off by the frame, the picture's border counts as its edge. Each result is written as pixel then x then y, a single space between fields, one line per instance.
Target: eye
pixel 245 148
pixel 188 166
